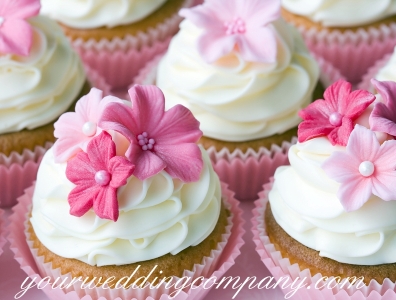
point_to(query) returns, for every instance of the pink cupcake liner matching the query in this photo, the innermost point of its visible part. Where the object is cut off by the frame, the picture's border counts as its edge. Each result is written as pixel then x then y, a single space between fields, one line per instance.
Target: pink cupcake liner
pixel 280 267
pixel 118 61
pixel 2 231
pixel 220 260
pixel 365 84
pixel 351 52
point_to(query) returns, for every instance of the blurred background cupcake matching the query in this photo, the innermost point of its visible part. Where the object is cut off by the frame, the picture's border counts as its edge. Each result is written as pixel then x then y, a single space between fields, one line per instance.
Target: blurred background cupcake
pixel 117 38
pixel 40 78
pixel 2 231
pixel 350 34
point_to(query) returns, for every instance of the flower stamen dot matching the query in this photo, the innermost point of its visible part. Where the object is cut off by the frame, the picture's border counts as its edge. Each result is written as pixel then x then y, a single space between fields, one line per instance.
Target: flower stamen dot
pixel 335 119
pixel 366 168
pixel 146 142
pixel 89 128
pixel 236 26
pixel 102 177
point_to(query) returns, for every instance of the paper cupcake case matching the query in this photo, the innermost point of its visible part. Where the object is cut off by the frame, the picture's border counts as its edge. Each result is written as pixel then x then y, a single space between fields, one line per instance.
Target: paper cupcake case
pixel 220 260
pixel 2 231
pixel 365 84
pixel 280 267
pixel 351 52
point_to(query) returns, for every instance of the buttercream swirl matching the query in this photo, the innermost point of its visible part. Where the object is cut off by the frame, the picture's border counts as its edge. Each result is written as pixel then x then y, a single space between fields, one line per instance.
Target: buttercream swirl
pixel 342 13
pixel 304 203
pixel 388 72
pixel 36 89
pixel 159 215
pixel 86 14
pixel 236 100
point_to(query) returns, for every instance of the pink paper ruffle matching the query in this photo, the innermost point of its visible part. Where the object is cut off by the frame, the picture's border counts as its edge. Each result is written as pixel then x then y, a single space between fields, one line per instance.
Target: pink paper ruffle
pixel 220 260
pixel 281 267
pixel 365 84
pixel 2 231
pixel 351 52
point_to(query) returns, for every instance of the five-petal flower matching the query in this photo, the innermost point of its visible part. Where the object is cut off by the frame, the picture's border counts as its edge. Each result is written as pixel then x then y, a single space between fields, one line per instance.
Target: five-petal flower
pixel 383 116
pixel 236 24
pixel 16 35
pixel 335 115
pixel 365 168
pixel 97 174
pixel 159 139
pixel 75 129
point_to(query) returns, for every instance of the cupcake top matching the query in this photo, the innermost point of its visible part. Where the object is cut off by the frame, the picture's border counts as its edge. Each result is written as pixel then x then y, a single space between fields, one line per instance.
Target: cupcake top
pixel 40 74
pixel 125 181
pixel 86 14
pixel 336 195
pixel 342 13
pixel 232 64
pixel 388 71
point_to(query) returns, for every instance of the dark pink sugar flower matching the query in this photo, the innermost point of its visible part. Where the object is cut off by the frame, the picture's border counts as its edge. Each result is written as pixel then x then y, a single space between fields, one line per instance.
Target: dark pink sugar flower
pixel 335 115
pixel 365 168
pixel 16 34
pixel 383 116
pixel 159 139
pixel 236 24
pixel 97 174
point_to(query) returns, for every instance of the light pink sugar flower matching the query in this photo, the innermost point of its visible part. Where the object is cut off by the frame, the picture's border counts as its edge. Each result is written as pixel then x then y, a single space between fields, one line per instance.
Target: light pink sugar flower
pixel 97 174
pixel 75 129
pixel 159 139
pixel 16 34
pixel 383 116
pixel 236 24
pixel 365 168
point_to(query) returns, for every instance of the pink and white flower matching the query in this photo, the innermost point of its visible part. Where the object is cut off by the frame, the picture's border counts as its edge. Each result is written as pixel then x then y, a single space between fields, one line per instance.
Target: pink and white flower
pixel 16 34
pixel 365 168
pixel 97 174
pixel 159 139
pixel 236 24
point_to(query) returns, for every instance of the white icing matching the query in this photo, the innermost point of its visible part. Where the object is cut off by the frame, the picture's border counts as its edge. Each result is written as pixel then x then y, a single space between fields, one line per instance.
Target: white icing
pixel 304 203
pixel 342 13
pixel 235 100
pixel 86 14
pixel 159 215
pixel 388 72
pixel 36 89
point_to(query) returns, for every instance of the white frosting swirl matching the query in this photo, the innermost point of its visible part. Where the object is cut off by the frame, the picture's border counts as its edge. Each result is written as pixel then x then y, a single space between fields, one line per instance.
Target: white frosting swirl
pixel 159 215
pixel 86 14
pixel 304 203
pixel 235 100
pixel 36 89
pixel 342 13
pixel 388 72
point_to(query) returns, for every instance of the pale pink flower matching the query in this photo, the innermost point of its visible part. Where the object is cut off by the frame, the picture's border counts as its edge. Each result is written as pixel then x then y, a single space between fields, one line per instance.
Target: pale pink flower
pixel 365 168
pixel 236 24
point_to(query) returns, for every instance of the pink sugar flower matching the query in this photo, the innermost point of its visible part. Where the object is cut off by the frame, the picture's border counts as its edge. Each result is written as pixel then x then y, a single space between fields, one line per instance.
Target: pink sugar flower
pixel 16 35
pixel 159 139
pixel 383 116
pixel 75 129
pixel 97 174
pixel 236 24
pixel 365 168
pixel 335 115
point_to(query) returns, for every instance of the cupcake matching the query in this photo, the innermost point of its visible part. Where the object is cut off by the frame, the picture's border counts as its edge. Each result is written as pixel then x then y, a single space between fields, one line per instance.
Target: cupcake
pixel 218 67
pixel 330 213
pixel 41 77
pixel 117 38
pixel 350 34
pixel 133 195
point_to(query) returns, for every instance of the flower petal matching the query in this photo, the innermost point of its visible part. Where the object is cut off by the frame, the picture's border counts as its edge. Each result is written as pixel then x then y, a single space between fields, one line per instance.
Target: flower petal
pixel 258 13
pixel 148 164
pixel 313 128
pixel 100 150
pixel 20 9
pixel 340 135
pixel 342 167
pixel 105 203
pixel 258 45
pixel 121 169
pixel 318 109
pixel 81 199
pixel 363 144
pixel 87 106
pixel 214 45
pixel 16 37
pixel 80 171
pixel 183 161
pixel 382 119
pixel 202 17
pixel 336 94
pixel 387 90
pixel 356 103
pixel 354 193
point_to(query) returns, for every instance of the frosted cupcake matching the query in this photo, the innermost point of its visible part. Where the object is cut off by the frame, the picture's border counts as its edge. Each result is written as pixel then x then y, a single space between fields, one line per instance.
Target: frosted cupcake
pixel 117 38
pixel 330 211
pixel 142 199
pixel 40 78
pixel 350 34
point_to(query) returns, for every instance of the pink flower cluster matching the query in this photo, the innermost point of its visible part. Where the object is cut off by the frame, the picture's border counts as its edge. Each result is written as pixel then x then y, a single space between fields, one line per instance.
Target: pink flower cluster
pixel 158 140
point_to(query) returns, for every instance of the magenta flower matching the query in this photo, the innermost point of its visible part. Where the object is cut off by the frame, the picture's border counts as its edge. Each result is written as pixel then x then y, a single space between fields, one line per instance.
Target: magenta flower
pixel 365 168
pixel 335 115
pixel 236 24
pixel 383 116
pixel 159 139
pixel 75 129
pixel 98 174
pixel 16 35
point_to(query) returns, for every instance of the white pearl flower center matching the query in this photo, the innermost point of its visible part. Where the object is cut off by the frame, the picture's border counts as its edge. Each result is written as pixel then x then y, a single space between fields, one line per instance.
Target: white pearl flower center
pixel 366 168
pixel 102 177
pixel 89 128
